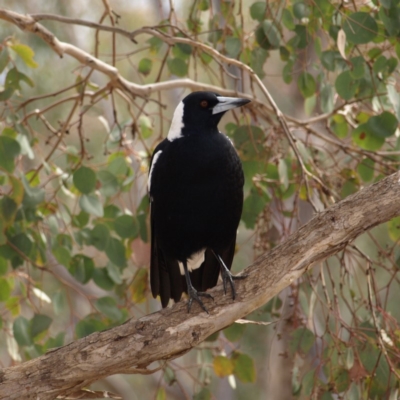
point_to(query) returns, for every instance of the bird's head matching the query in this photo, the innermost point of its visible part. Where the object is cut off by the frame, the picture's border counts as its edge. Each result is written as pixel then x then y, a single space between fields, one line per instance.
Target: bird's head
pixel 201 112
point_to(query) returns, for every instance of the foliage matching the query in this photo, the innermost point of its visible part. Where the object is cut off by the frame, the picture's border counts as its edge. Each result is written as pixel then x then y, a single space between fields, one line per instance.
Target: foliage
pixel 74 210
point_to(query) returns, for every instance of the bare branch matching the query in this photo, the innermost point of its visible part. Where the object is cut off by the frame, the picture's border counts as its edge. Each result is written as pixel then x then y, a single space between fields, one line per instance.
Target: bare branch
pixel 169 333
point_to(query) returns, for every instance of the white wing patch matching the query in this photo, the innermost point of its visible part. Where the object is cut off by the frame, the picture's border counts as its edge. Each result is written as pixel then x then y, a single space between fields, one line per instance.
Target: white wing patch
pixel 155 158
pixel 175 131
pixel 194 262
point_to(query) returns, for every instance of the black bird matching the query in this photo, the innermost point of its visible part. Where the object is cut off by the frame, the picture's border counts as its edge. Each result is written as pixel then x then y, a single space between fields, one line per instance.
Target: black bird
pixel 196 192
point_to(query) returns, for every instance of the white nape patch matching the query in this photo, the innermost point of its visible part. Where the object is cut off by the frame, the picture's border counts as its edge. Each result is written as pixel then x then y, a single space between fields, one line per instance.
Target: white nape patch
pixel 155 158
pixel 175 131
pixel 194 262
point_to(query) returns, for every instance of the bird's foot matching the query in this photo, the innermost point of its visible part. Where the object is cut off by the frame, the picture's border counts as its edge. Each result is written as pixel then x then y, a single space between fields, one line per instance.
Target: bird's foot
pixel 228 277
pixel 195 295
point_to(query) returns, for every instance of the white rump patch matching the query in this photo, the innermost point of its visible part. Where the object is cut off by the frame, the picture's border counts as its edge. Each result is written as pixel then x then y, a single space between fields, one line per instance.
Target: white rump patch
pixel 194 261
pixel 175 131
pixel 155 158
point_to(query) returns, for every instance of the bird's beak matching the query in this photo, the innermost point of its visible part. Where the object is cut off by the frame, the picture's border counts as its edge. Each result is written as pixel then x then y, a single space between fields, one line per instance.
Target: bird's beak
pixel 227 103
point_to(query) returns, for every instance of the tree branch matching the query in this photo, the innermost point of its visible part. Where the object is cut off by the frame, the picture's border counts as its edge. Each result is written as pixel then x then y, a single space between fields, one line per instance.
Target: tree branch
pixel 169 333
pixel 29 23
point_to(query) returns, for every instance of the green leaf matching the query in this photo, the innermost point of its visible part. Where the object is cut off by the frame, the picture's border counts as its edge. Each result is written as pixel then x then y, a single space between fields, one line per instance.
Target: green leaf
pixel 177 67
pixel 234 332
pixel 115 251
pixel 204 394
pixel 248 140
pixel 114 273
pixel 155 44
pixel 306 84
pixel 327 98
pixel 364 138
pixel 383 125
pixel 342 380
pixel 102 279
pixel 366 169
pixel 331 60
pixel 302 340
pixel 5 289
pixel 346 86
pixel 348 188
pixel 161 394
pixel 62 255
pixel 359 67
pixel 142 218
pixel 22 332
pixel 109 183
pixel 127 226
pixel 258 58
pixel 17 189
pixel 243 367
pixel 26 54
pixel 88 325
pixel 14 77
pixel 360 28
pixel 283 174
pixel 84 180
pixel 26 149
pixel 307 383
pixel 139 286
pixel 80 220
pixel 146 127
pixel 23 243
pixel 301 10
pixel 117 164
pixel 59 302
pixel 8 209
pixel 287 19
pixel 108 306
pixel 6 94
pixel 81 267
pixel 205 58
pixel 257 11
pixel 268 36
pixel 32 195
pixel 252 207
pixel 39 323
pixel 145 65
pixel 233 46
pixel 99 236
pixel 9 149
pixel 91 204
pixel 302 37
pixel 203 5
pixel 3 59
pixel 390 18
pixel 169 375
pixel 394 229
pixel 3 271
pixel 13 305
pixel 223 366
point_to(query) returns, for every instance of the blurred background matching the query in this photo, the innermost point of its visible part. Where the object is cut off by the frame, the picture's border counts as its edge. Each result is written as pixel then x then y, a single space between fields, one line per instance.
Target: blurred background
pixel 74 156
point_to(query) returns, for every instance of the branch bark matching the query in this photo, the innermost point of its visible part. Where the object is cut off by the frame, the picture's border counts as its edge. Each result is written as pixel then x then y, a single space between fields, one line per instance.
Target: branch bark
pixel 169 333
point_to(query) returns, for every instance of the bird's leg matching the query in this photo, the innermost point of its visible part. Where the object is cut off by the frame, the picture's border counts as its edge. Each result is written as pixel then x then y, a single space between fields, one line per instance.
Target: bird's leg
pixel 193 293
pixel 227 276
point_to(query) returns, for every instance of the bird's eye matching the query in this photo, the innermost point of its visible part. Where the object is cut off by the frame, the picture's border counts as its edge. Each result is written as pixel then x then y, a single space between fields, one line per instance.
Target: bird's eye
pixel 204 104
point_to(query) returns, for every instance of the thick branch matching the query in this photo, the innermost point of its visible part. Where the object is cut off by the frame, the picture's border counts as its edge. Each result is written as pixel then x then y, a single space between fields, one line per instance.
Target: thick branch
pixel 169 333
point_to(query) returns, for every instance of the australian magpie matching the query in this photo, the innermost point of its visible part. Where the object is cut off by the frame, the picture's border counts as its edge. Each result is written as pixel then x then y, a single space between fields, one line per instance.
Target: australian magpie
pixel 195 186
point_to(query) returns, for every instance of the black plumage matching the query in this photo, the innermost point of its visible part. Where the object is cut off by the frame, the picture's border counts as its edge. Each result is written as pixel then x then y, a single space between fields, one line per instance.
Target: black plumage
pixel 196 193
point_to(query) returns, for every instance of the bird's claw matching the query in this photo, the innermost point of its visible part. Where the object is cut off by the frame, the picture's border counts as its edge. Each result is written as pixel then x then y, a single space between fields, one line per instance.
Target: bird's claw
pixel 195 295
pixel 228 277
